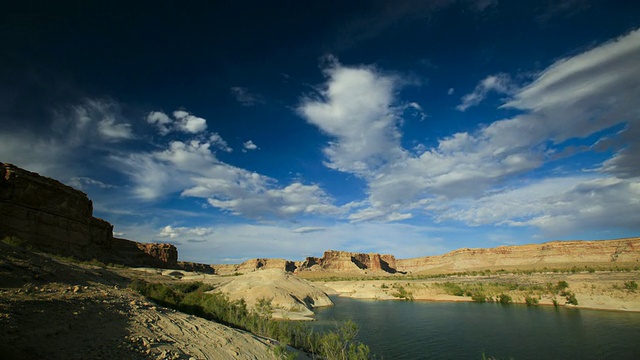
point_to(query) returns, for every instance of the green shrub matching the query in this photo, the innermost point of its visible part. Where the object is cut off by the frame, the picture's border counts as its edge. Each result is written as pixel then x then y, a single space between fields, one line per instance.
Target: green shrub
pixel 452 289
pixel 631 285
pixel 561 285
pixel 571 298
pixel 530 300
pixel 479 297
pixel 14 241
pixel 504 299
pixel 402 293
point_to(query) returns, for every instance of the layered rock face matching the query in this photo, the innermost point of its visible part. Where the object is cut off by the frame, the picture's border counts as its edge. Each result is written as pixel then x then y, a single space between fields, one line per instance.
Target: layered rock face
pixel 57 218
pixel 535 255
pixel 251 266
pixel 333 260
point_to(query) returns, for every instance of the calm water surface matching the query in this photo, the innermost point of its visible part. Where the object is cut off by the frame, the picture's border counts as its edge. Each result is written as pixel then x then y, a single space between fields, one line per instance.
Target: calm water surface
pixel 438 330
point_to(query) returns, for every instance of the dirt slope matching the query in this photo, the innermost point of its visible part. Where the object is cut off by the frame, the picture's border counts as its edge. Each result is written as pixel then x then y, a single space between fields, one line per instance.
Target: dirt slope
pixel 51 309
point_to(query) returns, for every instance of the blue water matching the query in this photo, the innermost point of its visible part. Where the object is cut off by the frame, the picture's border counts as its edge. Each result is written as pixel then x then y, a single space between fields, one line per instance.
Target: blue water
pixel 440 330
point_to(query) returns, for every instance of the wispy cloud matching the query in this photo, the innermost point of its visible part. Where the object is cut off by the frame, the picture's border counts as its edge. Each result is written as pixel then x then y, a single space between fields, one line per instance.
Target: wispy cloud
pixel 499 83
pixel 245 97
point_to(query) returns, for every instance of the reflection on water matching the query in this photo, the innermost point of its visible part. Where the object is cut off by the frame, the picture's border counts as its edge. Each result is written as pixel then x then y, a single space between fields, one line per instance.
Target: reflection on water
pixel 438 330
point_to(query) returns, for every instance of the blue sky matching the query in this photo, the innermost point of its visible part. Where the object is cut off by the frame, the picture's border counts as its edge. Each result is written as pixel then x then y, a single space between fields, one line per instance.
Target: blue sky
pixel 250 129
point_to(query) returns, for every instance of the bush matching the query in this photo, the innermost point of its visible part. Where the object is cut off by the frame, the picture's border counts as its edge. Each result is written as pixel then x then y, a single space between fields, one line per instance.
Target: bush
pixel 561 285
pixel 402 293
pixel 504 299
pixel 453 289
pixel 631 285
pixel 479 297
pixel 571 298
pixel 530 300
pixel 13 241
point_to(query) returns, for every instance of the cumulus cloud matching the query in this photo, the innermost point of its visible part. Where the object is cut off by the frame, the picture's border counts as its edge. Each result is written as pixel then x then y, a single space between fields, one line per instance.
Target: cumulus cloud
pixel 245 97
pixel 191 169
pixel 471 177
pixel 249 145
pixel 499 83
pixel 182 121
pixel 356 108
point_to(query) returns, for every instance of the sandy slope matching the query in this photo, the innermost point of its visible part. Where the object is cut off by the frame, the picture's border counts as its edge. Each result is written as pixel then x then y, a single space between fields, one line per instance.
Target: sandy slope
pixel 291 297
pixel 55 310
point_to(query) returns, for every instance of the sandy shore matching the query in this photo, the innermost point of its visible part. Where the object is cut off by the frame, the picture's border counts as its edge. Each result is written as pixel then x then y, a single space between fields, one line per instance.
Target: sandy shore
pixel 599 290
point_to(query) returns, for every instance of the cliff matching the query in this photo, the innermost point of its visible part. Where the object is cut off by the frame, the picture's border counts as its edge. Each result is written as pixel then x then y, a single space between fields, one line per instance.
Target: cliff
pixel 333 260
pixel 57 218
pixel 550 254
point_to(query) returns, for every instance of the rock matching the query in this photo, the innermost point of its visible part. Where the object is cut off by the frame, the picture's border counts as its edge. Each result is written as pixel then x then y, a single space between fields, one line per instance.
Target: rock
pixel 58 219
pixel 333 260
pixel 76 289
pixel 540 255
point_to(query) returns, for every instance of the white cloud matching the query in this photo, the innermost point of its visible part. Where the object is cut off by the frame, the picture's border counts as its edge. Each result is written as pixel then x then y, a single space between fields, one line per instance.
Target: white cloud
pixel 499 83
pixel 189 123
pixel 556 205
pixel 245 97
pixel 161 120
pixel 218 142
pixel 451 91
pixel 193 170
pixel 62 144
pixel 179 232
pixel 112 131
pixel 471 176
pixel 79 182
pixel 356 108
pixel 91 119
pixel 249 145
pixel 182 121
pixel 308 229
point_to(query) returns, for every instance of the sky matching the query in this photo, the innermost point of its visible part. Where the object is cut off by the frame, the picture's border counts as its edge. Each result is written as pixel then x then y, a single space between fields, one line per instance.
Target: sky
pixel 281 129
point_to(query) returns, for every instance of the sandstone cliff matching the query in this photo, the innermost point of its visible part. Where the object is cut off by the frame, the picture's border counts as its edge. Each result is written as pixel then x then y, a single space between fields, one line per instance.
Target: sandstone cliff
pixel 550 254
pixel 58 219
pixel 333 260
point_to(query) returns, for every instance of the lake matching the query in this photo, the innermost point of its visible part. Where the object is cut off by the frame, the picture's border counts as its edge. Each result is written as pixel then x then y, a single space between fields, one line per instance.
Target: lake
pixel 440 330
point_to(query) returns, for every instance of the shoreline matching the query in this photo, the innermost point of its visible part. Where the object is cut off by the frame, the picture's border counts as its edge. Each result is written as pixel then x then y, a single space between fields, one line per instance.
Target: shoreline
pixel 602 291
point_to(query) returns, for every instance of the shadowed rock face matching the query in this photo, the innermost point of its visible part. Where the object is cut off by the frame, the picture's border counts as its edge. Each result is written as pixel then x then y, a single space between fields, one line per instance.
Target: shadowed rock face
pixel 57 218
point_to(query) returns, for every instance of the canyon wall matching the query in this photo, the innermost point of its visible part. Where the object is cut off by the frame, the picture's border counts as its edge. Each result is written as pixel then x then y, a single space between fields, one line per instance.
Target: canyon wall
pixel 333 260
pixel 550 254
pixel 57 218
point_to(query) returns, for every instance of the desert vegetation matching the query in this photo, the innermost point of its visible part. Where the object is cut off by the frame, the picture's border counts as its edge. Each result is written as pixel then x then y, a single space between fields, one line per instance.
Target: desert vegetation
pixel 194 298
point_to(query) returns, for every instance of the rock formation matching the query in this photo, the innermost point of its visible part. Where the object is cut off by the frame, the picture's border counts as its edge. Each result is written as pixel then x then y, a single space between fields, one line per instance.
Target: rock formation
pixel 333 260
pixel 548 254
pixel 57 218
